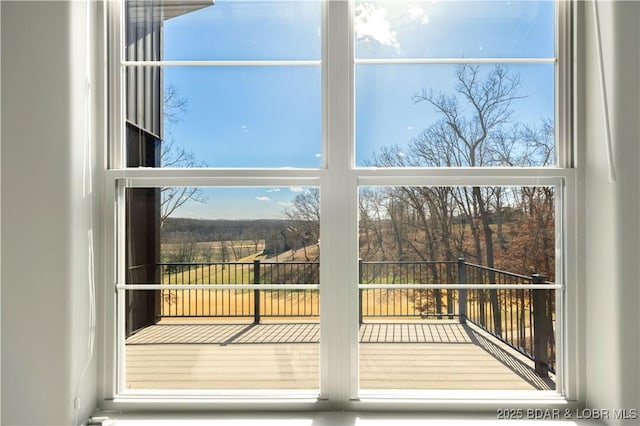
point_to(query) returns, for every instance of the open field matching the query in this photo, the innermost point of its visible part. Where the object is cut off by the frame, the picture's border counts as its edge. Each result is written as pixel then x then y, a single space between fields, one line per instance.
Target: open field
pixel 211 251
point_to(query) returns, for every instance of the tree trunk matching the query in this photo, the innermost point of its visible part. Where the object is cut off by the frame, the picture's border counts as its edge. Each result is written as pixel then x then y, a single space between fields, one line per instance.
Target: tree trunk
pixel 488 241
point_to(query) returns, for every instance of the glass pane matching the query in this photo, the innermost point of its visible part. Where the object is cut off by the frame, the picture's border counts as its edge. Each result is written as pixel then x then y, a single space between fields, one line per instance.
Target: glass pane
pixel 189 336
pixel 438 338
pixel 226 30
pixel 455 115
pixel 454 29
pixel 226 117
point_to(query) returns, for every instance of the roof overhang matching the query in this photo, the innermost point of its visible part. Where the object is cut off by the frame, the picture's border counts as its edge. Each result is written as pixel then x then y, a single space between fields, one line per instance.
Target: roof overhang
pixel 174 8
pixel 143 11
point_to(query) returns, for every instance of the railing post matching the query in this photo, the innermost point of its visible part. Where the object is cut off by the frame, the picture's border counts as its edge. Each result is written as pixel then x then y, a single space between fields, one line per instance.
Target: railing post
pixel 256 293
pixel 462 292
pixel 540 329
pixel 359 292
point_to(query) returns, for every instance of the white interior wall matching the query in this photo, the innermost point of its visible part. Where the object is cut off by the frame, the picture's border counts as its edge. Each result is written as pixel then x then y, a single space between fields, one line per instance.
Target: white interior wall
pixel 46 214
pixel 612 214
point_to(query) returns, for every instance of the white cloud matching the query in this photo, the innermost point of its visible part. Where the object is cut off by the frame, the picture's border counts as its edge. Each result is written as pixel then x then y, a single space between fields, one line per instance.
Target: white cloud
pixel 285 204
pixel 416 12
pixel 263 198
pixel 273 190
pixel 371 24
pixel 296 189
pixel 318 155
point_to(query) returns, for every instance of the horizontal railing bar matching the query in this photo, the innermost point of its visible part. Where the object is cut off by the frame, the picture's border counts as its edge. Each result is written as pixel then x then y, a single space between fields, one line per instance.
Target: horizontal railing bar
pixel 233 263
pixel 187 287
pixel 409 262
pixel 499 271
pixel 205 263
pixel 463 286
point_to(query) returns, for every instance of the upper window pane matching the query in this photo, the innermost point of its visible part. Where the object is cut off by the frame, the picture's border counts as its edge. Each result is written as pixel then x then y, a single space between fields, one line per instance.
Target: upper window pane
pixel 240 117
pixel 226 30
pixel 454 29
pixel 489 115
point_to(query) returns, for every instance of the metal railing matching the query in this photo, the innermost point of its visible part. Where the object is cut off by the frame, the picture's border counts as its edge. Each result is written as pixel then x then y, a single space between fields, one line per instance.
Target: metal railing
pixel 228 302
pixel 522 318
pixel 407 302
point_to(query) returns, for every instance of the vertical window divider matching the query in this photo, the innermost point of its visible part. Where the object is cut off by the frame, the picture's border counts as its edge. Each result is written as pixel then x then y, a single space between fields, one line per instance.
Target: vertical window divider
pixel 338 223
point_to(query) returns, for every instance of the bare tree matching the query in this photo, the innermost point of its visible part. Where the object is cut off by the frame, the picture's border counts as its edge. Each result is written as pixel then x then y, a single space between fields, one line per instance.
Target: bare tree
pixel 371 209
pixel 473 118
pixel 476 128
pixel 174 197
pixel 174 104
pixel 173 156
pixel 305 220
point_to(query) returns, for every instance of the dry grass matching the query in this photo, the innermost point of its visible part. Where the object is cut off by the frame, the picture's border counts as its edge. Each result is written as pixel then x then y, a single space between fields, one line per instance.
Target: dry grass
pixel 239 303
pixel 214 251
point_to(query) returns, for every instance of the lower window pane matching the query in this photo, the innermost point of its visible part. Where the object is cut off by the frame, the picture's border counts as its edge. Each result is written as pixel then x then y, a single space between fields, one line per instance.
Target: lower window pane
pixel 201 332
pixel 221 352
pixel 452 338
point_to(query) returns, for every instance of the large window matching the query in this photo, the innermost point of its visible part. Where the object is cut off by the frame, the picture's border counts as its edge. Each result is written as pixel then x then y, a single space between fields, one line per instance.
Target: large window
pixel 420 149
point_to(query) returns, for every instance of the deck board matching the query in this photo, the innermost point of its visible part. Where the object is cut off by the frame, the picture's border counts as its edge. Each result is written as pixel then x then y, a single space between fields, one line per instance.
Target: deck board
pixel 420 355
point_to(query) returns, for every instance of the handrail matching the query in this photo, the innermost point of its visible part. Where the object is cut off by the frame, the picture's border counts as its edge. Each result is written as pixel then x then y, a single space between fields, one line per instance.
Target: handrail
pixel 499 271
pixel 413 262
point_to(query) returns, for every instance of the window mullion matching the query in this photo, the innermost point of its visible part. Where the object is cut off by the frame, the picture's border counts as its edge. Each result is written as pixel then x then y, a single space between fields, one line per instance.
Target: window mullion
pixel 116 86
pixel 339 272
pixel 564 114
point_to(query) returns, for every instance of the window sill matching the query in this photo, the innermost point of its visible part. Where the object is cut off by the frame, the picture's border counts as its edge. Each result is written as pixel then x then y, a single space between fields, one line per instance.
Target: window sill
pixel 477 402
pixel 326 418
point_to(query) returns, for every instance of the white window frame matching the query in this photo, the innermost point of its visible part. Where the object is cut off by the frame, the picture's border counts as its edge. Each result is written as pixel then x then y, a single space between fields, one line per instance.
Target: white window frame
pixel 339 181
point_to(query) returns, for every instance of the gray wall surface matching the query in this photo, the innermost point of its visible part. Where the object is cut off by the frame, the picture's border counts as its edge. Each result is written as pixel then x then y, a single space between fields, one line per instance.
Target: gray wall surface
pixel 612 211
pixel 46 214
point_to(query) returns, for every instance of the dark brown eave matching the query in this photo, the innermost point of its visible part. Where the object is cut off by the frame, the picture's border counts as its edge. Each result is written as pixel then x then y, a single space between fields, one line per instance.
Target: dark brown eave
pixel 174 8
pixel 145 11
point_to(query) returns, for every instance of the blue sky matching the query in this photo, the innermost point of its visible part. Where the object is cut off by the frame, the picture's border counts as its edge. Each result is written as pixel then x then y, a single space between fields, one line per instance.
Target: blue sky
pixel 271 116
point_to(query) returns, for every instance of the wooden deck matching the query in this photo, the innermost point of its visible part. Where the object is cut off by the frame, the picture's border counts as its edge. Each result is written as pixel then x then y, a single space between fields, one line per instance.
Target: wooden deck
pixel 414 355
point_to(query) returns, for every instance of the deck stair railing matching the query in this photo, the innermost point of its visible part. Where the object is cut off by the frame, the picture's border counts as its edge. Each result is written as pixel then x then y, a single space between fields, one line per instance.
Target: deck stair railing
pixel 521 318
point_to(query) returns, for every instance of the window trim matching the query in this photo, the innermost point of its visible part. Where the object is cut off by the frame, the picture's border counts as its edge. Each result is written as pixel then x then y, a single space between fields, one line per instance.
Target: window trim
pixel 339 351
